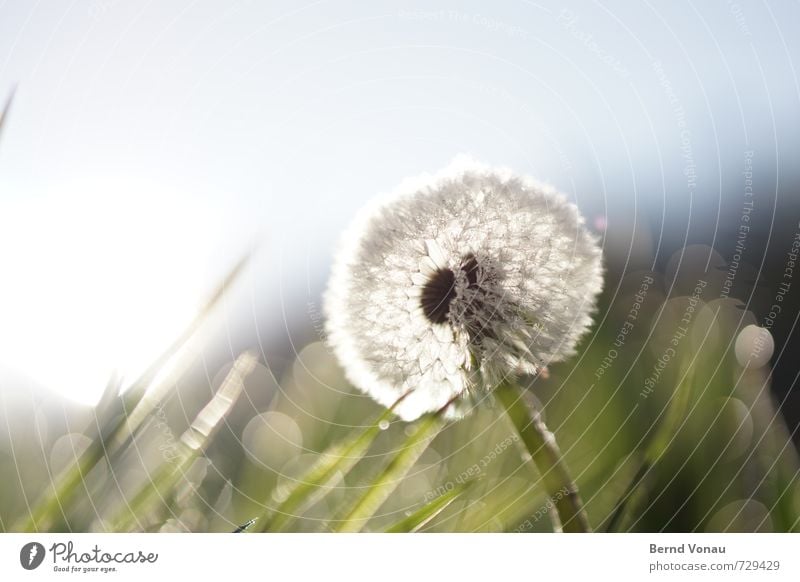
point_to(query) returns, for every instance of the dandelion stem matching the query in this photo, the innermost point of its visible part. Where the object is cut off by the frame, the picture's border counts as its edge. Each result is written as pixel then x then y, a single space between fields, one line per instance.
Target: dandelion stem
pixel 544 451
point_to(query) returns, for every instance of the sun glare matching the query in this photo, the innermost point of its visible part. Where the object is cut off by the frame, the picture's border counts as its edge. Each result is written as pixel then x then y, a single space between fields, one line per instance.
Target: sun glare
pixel 96 283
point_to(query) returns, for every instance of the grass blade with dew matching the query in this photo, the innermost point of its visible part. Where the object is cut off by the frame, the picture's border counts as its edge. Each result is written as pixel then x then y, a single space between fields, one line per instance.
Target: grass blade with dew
pixel 315 483
pixel 245 526
pixel 191 444
pixel 144 394
pixel 543 450
pixel 660 441
pixel 387 481
pixel 428 512
pixel 116 426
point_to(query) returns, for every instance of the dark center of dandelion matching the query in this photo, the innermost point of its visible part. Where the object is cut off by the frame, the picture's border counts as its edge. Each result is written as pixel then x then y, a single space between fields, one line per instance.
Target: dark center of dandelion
pixel 440 290
pixel 437 294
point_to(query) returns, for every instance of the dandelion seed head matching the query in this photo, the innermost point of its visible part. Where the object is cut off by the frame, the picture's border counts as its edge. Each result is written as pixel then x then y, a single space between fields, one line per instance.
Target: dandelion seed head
pixel 453 282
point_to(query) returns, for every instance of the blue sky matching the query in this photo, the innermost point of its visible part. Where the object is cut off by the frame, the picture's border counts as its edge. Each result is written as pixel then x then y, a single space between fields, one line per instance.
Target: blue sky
pixel 278 120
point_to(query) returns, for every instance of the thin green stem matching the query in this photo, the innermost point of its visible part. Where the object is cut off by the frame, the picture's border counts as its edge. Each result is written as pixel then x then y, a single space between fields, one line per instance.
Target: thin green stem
pixel 123 415
pixel 321 477
pixel 192 444
pixel 622 504
pixel 664 433
pixel 388 480
pixel 428 512
pixel 544 451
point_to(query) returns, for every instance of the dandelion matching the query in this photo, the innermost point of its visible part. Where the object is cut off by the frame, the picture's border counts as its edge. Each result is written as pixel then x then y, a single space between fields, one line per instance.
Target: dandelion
pixel 450 287
pixel 455 282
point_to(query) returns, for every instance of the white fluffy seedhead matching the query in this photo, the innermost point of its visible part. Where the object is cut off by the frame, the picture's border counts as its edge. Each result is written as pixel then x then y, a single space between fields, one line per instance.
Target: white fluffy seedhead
pixel 455 281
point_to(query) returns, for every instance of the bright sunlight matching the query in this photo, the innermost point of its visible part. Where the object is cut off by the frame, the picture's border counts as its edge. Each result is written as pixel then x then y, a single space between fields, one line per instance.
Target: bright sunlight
pixel 97 281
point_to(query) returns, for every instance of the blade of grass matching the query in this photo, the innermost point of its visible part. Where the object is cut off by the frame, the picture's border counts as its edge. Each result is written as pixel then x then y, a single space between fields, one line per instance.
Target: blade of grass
pixel 191 444
pixel 428 512
pixel 315 483
pixel 387 481
pixel 621 506
pixel 145 393
pixel 541 445
pixel 245 526
pixel 115 429
pixel 662 436
pixel 49 511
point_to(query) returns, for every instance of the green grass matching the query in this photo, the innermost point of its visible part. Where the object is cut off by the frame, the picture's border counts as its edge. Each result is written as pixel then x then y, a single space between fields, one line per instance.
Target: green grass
pixel 678 459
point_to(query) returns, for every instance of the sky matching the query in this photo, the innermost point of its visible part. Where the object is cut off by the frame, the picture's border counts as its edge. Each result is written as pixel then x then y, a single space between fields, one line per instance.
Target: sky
pixel 151 143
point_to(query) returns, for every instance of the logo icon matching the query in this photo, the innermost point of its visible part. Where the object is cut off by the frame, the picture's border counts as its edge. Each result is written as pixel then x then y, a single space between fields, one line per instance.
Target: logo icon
pixel 31 555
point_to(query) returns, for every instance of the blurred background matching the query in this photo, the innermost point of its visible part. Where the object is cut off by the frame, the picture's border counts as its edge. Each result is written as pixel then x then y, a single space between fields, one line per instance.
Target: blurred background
pixel 149 146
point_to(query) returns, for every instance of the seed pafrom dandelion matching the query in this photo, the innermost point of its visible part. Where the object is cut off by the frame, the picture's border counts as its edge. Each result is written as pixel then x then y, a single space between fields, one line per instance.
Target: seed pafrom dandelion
pixel 453 282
